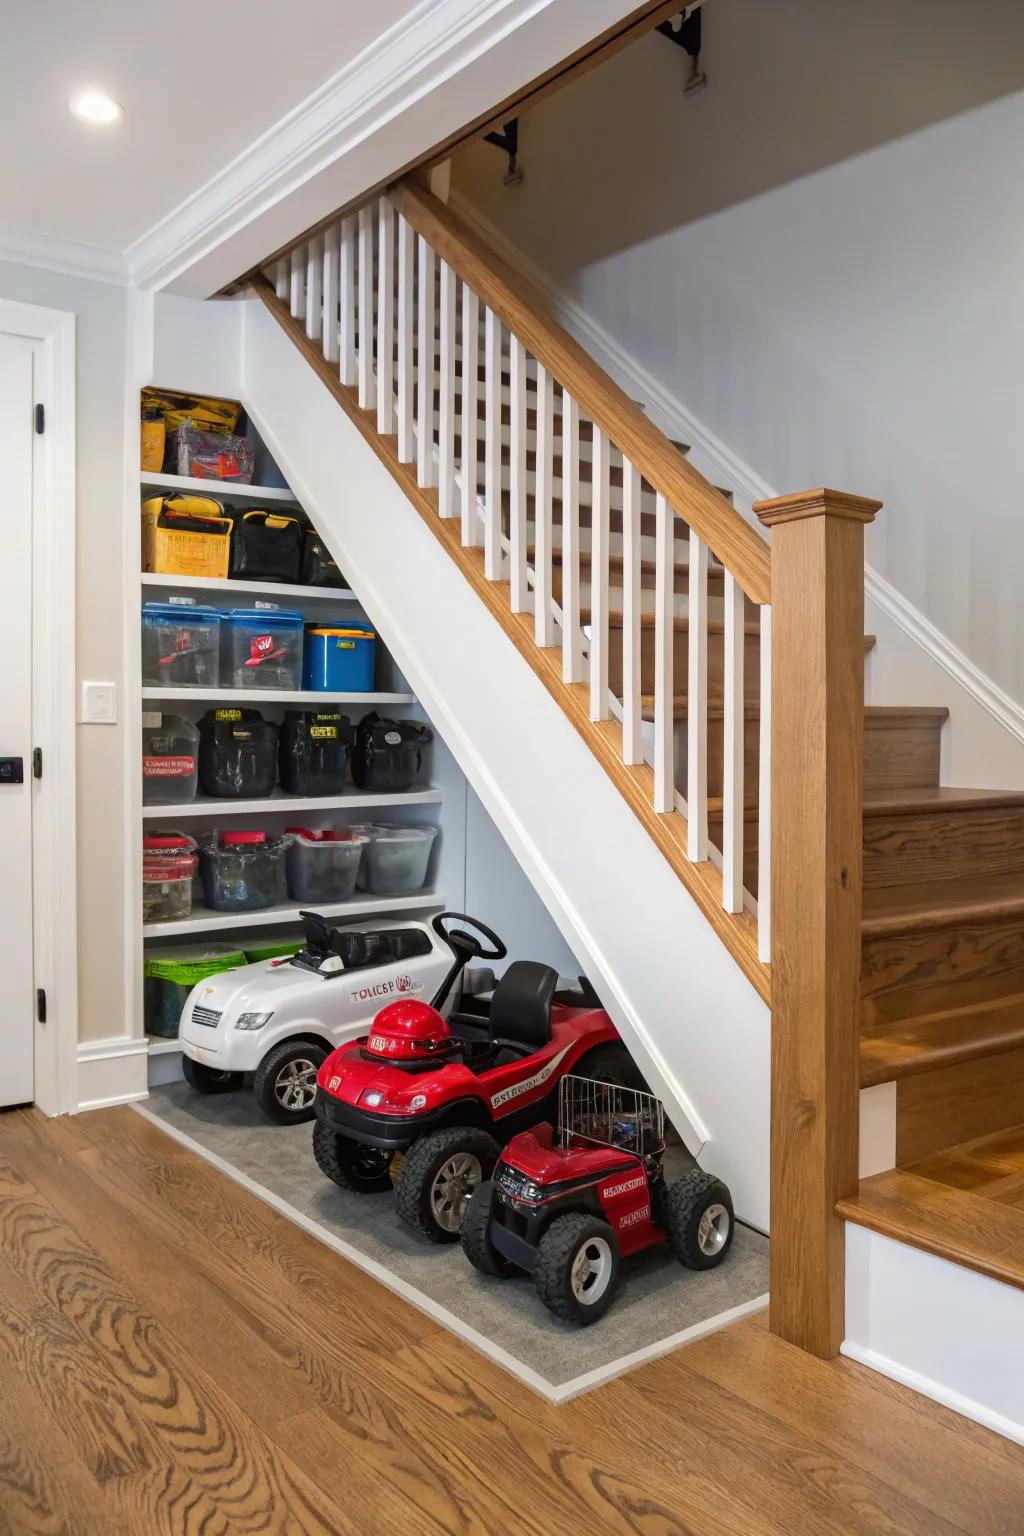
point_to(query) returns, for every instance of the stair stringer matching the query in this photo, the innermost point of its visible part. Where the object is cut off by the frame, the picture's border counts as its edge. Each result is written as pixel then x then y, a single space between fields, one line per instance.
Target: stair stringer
pixel 698 1028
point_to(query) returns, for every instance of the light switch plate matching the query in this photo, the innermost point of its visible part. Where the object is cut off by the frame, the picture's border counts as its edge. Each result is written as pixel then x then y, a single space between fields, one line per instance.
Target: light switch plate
pixel 99 704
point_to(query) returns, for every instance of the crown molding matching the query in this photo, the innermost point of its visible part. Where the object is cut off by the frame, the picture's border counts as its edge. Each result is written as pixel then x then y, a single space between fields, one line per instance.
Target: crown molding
pixel 73 258
pixel 414 58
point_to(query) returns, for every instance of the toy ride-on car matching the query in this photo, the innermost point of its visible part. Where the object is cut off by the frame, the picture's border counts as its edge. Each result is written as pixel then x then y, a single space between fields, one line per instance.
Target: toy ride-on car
pixel 427 1103
pixel 279 1019
pixel 566 1205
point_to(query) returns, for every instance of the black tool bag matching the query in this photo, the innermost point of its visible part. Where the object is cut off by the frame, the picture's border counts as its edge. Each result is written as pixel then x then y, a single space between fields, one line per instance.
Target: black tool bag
pixel 314 750
pixel 237 754
pixel 388 754
pixel 318 569
pixel 266 546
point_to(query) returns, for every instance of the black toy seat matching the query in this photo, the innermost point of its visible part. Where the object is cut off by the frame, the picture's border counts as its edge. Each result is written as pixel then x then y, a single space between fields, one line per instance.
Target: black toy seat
pixel 521 1006
pixel 357 949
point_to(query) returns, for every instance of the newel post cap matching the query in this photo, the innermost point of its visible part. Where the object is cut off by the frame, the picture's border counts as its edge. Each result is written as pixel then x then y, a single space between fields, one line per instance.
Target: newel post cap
pixel 819 503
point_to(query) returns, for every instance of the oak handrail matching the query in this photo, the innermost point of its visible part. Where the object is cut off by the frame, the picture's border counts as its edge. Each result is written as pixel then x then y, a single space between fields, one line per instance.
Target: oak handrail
pixel 521 308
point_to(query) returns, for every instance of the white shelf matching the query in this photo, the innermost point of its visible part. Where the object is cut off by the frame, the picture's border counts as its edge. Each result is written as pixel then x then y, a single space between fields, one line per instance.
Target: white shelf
pixel 270 696
pixel 205 921
pixel 281 802
pixel 223 490
pixel 160 1047
pixel 221 585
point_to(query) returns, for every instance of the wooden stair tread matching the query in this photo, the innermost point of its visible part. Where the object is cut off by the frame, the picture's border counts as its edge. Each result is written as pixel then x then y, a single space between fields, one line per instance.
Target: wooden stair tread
pixel 889 1052
pixel 913 802
pixel 953 1224
pixel 899 909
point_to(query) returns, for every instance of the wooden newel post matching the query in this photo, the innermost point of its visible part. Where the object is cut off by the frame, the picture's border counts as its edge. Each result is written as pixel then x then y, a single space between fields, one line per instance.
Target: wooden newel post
pixel 817 736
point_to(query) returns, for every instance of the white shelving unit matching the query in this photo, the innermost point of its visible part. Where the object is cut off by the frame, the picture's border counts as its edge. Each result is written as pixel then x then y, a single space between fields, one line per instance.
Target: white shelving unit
pixel 221 490
pixel 280 802
pixel 205 921
pixel 217 586
pixel 268 696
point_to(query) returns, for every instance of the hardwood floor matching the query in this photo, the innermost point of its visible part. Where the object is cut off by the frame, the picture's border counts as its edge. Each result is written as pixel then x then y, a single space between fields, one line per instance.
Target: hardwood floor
pixel 176 1357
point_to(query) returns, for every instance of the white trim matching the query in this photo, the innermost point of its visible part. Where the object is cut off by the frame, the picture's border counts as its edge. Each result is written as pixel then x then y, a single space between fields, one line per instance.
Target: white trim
pixel 947 1396
pixel 111 1071
pixel 54 854
pixel 415 57
pixel 33 248
pixel 559 1393
pixel 718 463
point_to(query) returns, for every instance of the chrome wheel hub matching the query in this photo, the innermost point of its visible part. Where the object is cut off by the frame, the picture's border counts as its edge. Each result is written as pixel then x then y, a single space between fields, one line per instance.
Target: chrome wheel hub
pixel 591 1271
pixel 295 1085
pixel 453 1184
pixel 713 1230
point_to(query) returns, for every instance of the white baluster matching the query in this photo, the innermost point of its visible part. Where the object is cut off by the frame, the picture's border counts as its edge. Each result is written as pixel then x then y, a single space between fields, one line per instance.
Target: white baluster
pixel 425 354
pixel 543 620
pixel 732 783
pixel 330 325
pixel 386 320
pixel 572 658
pixel 281 278
pixel 297 285
pixel 697 704
pixel 520 599
pixel 632 706
pixel 470 396
pixel 347 303
pixel 406 370
pixel 492 446
pixel 664 656
pixel 764 795
pixel 599 540
pixel 314 293
pixel 367 377
pixel 446 505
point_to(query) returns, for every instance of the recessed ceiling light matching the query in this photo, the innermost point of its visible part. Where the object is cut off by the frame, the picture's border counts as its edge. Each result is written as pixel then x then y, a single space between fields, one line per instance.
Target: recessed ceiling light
pixel 95 107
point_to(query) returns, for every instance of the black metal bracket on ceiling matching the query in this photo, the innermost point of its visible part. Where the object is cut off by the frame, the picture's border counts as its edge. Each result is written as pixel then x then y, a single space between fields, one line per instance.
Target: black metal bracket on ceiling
pixel 685 30
pixel 508 141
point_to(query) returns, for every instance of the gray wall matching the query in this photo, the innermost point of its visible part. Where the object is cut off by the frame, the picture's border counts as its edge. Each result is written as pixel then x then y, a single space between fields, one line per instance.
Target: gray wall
pixel 821 256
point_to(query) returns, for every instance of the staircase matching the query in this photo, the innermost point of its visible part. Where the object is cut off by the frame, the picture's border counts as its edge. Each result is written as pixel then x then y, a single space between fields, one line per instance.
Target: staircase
pixel 717 681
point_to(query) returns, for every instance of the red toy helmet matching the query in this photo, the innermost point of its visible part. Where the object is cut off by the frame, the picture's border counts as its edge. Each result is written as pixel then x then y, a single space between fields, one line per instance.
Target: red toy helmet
pixel 407 1031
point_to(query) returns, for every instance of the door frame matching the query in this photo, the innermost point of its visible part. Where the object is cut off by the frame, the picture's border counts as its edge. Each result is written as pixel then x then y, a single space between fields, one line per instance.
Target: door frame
pixel 54 684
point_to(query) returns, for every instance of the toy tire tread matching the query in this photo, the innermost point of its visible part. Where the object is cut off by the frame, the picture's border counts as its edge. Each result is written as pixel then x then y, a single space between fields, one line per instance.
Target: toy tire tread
pixel 475 1235
pixel 420 1167
pixel 335 1157
pixel 555 1253
pixel 266 1072
pixel 685 1202
pixel 612 1064
pixel 206 1079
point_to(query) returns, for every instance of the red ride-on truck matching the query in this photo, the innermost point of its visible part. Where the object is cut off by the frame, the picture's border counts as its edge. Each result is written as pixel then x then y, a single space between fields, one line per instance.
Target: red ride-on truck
pixel 566 1203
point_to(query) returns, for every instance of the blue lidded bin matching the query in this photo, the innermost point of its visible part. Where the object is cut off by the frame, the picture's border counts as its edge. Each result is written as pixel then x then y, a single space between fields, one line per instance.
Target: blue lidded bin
pixel 339 660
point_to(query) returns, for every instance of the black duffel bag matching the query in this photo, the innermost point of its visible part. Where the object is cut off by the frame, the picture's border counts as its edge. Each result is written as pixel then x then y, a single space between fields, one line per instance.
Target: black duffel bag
pixel 313 752
pixel 266 546
pixel 319 569
pixel 237 754
pixel 388 754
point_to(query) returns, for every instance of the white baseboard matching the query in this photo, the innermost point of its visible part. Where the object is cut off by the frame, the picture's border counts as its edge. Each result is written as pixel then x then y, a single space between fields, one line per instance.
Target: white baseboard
pixel 716 462
pixel 111 1071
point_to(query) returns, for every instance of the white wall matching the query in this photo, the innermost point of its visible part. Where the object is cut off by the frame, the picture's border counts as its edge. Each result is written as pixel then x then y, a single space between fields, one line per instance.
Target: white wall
pixel 100 310
pixel 839 305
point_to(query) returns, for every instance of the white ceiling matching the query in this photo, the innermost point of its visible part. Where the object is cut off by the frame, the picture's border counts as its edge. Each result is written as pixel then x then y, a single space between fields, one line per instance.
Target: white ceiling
pixel 198 81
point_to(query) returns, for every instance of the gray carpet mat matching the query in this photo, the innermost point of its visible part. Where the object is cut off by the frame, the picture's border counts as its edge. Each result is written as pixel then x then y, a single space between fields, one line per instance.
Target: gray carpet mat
pixel 658 1300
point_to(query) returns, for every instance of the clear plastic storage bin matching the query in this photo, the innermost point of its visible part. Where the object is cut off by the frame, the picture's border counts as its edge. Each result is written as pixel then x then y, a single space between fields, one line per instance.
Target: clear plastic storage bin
pixel 243 871
pixel 395 860
pixel 322 866
pixel 180 646
pixel 168 868
pixel 261 648
pixel 170 759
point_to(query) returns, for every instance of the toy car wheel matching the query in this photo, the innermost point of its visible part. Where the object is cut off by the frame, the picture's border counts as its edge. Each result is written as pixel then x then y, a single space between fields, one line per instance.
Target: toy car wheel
pixel 699 1220
pixel 612 1064
pixel 577 1269
pixel 206 1079
pixel 476 1239
pixel 285 1081
pixel 438 1175
pixel 351 1164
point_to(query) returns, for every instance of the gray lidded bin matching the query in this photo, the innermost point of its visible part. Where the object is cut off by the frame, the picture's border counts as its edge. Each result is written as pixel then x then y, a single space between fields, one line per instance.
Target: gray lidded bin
pixel 396 859
pixel 324 867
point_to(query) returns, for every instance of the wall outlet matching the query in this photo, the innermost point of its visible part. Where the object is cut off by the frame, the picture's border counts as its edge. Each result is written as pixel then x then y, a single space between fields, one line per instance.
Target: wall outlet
pixel 99 704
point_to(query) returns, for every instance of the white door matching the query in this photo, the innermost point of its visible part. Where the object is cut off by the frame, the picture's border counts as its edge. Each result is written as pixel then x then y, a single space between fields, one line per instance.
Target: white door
pixel 18 363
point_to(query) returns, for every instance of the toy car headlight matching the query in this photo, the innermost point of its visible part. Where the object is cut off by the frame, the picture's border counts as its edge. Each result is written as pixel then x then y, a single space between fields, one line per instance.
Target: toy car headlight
pixel 252 1020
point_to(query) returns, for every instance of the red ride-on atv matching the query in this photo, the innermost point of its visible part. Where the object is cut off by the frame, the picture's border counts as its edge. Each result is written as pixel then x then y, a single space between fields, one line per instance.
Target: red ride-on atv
pixel 566 1205
pixel 427 1103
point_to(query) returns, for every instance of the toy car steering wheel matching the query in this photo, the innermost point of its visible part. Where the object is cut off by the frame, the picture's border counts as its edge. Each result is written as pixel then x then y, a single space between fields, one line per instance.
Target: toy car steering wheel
pixel 467 941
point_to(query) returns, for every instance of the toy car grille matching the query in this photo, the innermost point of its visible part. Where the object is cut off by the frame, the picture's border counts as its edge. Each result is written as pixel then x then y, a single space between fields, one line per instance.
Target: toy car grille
pixel 511 1180
pixel 208 1017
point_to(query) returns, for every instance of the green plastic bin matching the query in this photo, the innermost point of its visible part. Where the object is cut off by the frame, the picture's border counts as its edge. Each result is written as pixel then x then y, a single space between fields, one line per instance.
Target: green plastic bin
pixel 170 975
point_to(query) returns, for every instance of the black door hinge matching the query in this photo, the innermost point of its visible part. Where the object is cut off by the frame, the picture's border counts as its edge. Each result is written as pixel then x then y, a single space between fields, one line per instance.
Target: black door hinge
pixel 41 1004
pixel 40 419
pixel 37 762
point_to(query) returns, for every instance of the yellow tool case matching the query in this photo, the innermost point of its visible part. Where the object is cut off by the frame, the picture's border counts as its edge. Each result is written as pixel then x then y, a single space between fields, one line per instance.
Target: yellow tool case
pixel 185 536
